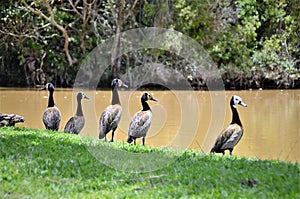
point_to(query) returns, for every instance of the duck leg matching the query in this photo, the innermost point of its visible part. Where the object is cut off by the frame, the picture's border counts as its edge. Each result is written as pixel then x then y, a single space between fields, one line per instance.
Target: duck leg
pixel 143 139
pixel 112 134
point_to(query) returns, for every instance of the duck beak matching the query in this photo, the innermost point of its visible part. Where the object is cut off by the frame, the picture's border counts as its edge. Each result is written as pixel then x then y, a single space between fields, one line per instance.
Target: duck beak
pixel 153 99
pixel 44 88
pixel 243 104
pixel 124 85
pixel 86 97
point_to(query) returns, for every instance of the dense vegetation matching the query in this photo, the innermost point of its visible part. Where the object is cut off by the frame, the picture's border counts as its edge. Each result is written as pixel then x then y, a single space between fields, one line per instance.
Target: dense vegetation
pixel 254 43
pixel 43 164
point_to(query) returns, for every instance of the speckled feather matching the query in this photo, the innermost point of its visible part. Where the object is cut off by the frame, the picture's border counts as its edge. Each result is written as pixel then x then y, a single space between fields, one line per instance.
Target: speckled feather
pixel 228 138
pixel 75 124
pixel 51 118
pixel 140 124
pixel 110 119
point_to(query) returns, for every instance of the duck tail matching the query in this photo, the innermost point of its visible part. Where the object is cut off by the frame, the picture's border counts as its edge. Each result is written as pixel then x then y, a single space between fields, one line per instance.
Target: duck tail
pixel 101 135
pixel 130 139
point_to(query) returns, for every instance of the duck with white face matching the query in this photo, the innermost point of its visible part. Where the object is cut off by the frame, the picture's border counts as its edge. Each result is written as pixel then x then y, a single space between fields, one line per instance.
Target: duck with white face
pixel 111 115
pixel 76 123
pixel 51 116
pixel 230 136
pixel 141 121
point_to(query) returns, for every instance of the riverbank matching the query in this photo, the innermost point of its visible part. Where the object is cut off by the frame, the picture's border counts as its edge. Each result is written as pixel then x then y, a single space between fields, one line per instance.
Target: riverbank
pixel 41 164
pixel 233 79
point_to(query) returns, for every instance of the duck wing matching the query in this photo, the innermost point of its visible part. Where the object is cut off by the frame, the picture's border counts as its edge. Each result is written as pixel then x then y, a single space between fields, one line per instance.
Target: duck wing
pixel 70 126
pixel 228 138
pixel 140 124
pixel 75 124
pixel 110 118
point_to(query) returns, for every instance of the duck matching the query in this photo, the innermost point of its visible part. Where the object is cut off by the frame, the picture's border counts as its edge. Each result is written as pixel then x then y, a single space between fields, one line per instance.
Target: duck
pixel 52 115
pixel 111 115
pixel 141 121
pixel 76 123
pixel 231 135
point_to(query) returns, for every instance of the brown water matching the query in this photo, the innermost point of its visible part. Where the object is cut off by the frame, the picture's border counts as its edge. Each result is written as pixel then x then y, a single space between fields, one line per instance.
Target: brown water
pixel 181 119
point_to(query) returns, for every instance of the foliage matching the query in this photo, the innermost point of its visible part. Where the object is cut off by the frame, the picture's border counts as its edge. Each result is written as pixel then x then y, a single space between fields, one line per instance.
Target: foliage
pixel 258 39
pixel 195 19
pixel 40 163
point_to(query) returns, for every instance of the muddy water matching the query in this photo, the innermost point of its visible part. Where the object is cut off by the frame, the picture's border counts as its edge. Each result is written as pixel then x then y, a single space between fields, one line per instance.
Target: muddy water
pixel 181 119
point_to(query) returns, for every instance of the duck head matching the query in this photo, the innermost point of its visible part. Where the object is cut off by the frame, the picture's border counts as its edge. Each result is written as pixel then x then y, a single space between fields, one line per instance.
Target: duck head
pixel 147 96
pixel 81 96
pixel 49 87
pixel 117 82
pixel 237 100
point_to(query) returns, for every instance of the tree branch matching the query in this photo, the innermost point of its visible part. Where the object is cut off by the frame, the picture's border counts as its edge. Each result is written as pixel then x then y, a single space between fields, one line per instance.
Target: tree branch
pixel 75 9
pixel 53 22
pixel 131 10
pixel 62 29
pixel 37 12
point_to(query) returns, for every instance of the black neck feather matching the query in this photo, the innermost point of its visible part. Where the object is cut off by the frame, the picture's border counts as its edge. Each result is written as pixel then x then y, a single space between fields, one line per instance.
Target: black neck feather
pixel 79 108
pixel 115 96
pixel 51 100
pixel 145 105
pixel 235 116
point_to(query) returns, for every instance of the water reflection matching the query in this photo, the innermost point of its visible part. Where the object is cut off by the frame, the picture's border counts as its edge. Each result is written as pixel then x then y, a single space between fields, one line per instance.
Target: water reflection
pixel 181 118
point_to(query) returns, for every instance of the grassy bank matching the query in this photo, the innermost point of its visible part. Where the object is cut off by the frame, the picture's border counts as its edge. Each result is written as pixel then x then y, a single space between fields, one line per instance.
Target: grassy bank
pixel 44 164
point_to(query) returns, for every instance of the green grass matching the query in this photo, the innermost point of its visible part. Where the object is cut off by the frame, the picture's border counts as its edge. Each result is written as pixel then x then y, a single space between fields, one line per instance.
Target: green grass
pixel 47 164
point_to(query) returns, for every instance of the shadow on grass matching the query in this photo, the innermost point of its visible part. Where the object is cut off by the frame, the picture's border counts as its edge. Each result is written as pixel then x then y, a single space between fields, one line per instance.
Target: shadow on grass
pixel 130 158
pixel 57 146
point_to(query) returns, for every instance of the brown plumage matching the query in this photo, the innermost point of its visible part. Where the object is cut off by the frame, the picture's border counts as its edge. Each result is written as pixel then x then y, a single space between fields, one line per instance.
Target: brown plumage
pixel 76 123
pixel 51 116
pixel 230 136
pixel 141 121
pixel 111 115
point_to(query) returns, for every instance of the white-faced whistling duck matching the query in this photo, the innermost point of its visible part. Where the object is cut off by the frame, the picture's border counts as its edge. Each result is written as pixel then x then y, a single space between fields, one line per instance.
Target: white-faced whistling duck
pixel 76 123
pixel 141 121
pixel 111 115
pixel 52 116
pixel 233 133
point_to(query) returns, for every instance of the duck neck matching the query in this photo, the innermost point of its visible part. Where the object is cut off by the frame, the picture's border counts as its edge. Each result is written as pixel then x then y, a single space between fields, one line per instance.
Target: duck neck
pixel 235 116
pixel 145 105
pixel 79 108
pixel 115 96
pixel 51 100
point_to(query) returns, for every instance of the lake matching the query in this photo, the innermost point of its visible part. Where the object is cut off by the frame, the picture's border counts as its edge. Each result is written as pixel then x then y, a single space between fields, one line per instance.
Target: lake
pixel 181 119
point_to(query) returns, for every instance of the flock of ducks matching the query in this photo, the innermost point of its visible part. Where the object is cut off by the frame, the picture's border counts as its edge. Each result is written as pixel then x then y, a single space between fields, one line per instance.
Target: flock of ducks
pixel 140 122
